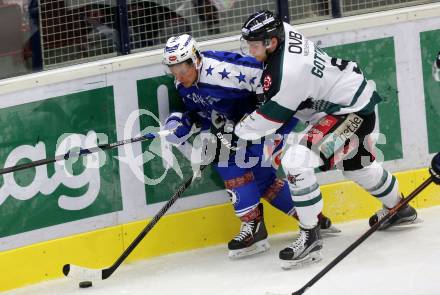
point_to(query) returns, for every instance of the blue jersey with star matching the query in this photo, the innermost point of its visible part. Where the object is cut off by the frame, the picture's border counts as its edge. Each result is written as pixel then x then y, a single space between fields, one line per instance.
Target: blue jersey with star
pixel 228 83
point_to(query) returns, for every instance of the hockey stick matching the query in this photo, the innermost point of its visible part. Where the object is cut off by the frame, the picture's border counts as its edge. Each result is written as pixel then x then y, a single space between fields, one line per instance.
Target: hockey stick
pixel 89 274
pixel 368 233
pixel 83 152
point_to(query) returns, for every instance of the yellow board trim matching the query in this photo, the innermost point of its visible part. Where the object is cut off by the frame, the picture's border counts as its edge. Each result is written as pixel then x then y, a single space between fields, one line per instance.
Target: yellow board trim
pixel 344 201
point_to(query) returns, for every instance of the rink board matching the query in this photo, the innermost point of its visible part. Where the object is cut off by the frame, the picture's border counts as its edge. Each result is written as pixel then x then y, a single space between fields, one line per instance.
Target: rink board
pixel 49 218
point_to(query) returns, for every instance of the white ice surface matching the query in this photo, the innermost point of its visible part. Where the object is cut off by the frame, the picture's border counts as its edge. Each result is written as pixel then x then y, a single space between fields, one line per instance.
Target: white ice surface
pixel 401 261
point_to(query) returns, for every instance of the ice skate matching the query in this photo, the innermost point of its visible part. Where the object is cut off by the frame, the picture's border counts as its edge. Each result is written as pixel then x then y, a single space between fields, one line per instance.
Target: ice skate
pixel 326 225
pixel 252 238
pixel 406 215
pixel 306 249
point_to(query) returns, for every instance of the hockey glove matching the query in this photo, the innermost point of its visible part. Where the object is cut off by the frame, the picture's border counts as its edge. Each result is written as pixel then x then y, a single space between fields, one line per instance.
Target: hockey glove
pixel 182 126
pixel 223 129
pixel 435 169
pixel 436 68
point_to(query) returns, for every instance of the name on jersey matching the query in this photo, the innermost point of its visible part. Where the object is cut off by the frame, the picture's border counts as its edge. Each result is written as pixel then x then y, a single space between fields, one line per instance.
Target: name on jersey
pixel 318 63
pixel 295 42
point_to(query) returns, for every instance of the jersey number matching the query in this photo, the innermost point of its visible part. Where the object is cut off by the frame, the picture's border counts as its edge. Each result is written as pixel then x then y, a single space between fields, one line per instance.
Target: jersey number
pixel 342 64
pixel 318 62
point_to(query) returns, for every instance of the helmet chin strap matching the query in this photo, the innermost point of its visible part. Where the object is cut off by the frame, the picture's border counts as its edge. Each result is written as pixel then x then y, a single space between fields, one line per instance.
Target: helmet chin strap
pixel 266 43
pixel 198 63
pixel 198 66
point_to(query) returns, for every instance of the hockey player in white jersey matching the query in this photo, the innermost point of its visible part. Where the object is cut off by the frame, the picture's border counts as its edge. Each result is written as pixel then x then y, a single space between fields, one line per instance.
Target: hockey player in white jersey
pixel 335 99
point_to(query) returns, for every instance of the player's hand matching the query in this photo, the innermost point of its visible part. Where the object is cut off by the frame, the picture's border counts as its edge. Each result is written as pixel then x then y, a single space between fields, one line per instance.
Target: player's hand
pixel 181 126
pixel 435 169
pixel 436 68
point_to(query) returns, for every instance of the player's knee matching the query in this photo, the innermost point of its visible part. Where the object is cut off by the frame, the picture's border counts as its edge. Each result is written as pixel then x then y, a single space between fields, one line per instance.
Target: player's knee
pixel 299 156
pixel 274 190
pixel 301 179
pixel 368 176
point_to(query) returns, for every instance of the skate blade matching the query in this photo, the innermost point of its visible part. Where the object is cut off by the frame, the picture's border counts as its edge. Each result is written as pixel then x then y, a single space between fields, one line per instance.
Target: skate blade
pixel 295 264
pixel 331 230
pixel 258 247
pixel 405 224
pixel 415 221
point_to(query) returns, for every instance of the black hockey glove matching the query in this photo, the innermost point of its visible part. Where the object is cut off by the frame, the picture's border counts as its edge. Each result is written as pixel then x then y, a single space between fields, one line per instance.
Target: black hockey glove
pixel 223 130
pixel 435 169
pixel 436 68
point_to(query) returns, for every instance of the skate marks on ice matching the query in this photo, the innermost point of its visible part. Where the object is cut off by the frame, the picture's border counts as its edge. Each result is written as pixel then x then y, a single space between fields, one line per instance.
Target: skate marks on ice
pixel 403 261
pixel 256 249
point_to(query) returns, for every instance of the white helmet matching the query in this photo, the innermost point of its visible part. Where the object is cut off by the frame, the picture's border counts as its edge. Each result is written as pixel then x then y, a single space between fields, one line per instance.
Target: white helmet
pixel 179 49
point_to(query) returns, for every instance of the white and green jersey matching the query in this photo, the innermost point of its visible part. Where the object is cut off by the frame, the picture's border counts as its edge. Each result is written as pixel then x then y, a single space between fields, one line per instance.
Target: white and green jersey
pixel 301 80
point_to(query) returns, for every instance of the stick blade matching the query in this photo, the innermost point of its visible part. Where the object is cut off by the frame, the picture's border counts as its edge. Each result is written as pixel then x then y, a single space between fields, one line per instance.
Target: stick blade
pixel 82 273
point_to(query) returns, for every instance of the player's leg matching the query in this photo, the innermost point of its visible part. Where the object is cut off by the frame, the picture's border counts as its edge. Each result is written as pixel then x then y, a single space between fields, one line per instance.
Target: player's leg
pixel 276 192
pixel 245 197
pixel 384 186
pixel 273 189
pixel 363 169
pixel 298 164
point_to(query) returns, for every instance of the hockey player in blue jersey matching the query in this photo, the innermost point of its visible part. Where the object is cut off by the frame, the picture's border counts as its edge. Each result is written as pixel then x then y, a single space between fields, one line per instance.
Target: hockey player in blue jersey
pixel 218 89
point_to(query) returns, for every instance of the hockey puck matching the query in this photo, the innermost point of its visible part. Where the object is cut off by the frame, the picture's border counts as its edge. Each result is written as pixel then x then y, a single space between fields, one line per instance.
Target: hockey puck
pixel 85 284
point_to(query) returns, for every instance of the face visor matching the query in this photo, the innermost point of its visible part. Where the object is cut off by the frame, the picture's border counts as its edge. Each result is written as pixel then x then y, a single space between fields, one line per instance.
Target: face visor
pixel 247 47
pixel 178 70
